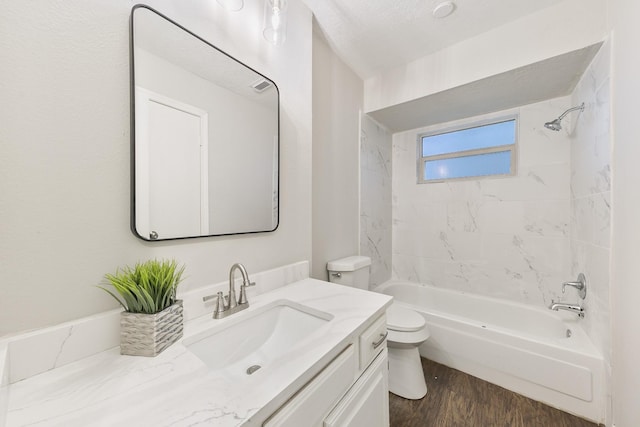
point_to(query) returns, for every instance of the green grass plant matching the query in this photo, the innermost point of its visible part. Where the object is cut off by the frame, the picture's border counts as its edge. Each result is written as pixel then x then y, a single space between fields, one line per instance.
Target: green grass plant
pixel 149 287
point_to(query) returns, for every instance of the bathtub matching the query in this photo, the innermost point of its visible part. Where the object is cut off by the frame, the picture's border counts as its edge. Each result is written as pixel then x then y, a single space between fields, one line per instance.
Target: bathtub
pixel 533 351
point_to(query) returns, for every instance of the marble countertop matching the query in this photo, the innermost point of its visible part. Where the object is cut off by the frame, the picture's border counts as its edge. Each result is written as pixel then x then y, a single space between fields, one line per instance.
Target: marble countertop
pixel 176 388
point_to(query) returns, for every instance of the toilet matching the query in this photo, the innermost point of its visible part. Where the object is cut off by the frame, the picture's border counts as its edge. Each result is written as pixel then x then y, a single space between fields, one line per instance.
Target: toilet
pixel 407 329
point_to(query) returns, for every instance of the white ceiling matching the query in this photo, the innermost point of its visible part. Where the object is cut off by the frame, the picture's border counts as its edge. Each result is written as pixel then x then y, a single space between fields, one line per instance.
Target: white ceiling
pixel 169 42
pixel 374 35
pixel 535 82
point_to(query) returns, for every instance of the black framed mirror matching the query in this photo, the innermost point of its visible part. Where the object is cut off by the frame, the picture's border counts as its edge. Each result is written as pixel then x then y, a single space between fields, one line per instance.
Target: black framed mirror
pixel 205 136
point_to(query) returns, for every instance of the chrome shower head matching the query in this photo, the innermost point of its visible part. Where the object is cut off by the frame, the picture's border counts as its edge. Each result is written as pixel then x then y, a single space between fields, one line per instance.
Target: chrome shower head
pixel 555 124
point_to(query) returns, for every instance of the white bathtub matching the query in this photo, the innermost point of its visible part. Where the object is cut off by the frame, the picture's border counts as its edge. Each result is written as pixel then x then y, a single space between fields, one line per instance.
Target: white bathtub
pixel 519 347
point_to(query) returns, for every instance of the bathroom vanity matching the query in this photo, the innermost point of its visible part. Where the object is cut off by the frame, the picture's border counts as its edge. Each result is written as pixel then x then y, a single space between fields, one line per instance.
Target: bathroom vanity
pixel 320 350
pixel 352 390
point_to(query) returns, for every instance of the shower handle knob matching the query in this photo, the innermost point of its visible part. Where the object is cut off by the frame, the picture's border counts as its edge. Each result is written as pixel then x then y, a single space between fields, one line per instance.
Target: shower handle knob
pixel 580 284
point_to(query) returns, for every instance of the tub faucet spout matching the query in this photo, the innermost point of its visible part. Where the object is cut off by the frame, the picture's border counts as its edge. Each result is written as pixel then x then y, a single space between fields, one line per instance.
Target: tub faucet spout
pixel 574 308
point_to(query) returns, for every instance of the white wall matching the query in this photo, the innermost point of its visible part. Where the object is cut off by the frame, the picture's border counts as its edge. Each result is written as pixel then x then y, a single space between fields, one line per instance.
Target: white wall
pixel 337 100
pixel 375 198
pixel 502 237
pixel 567 26
pixel 625 200
pixel 64 161
pixel 591 197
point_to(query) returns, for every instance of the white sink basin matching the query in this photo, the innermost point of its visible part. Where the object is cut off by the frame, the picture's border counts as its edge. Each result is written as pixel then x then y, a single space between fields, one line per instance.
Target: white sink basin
pixel 253 340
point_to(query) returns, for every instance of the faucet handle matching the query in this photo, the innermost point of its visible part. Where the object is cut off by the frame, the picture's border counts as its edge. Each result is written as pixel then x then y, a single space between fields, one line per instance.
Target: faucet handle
pixel 209 298
pixel 221 303
pixel 580 284
pixel 243 295
pixel 576 285
pixel 243 292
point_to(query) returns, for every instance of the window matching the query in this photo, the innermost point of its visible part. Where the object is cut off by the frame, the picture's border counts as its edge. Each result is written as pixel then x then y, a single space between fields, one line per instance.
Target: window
pixel 476 151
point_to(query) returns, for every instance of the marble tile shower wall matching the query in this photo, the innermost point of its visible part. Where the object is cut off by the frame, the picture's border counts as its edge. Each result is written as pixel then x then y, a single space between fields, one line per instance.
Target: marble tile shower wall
pixel 591 196
pixel 501 237
pixel 375 198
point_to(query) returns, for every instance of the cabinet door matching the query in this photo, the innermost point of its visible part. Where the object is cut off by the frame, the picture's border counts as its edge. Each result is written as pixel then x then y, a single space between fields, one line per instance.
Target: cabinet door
pixel 308 407
pixel 367 402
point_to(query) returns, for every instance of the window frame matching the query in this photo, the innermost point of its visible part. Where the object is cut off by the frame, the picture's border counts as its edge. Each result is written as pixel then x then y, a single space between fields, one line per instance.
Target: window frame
pixel 512 148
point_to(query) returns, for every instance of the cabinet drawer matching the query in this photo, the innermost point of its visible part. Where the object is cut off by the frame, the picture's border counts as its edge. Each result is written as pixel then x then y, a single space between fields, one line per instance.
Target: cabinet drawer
pixel 308 407
pixel 372 341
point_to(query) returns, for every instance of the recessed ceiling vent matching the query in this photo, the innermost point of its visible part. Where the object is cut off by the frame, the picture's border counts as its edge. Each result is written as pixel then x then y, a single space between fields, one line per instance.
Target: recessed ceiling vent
pixel 261 85
pixel 444 9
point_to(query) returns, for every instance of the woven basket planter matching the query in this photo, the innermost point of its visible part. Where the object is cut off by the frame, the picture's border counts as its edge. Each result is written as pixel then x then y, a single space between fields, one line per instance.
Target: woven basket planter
pixel 149 334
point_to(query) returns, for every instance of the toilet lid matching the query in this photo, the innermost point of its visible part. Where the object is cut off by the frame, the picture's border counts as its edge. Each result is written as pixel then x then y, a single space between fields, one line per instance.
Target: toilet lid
pixel 403 319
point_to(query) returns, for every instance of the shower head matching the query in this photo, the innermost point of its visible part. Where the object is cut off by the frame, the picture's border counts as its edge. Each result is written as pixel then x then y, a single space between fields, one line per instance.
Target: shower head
pixel 555 124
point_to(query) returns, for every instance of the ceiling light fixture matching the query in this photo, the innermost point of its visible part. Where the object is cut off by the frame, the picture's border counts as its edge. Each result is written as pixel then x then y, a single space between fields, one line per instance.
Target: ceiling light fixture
pixel 443 9
pixel 275 21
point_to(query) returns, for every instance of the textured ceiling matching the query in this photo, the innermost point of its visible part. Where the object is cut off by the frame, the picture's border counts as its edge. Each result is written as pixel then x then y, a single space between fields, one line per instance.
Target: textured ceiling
pixel 169 42
pixel 374 35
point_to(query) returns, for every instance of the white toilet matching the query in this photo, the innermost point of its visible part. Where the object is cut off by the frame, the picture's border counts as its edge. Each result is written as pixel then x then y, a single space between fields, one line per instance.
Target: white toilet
pixel 407 330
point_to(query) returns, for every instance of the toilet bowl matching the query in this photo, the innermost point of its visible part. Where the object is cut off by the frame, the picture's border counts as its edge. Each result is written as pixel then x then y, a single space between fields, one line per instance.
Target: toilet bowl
pixel 406 329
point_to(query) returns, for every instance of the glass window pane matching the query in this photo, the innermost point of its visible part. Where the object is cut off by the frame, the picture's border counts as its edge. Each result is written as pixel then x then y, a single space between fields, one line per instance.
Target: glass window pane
pixel 460 167
pixel 492 135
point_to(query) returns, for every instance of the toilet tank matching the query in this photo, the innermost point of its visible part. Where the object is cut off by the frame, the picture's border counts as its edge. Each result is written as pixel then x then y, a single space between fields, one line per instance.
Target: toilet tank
pixel 351 271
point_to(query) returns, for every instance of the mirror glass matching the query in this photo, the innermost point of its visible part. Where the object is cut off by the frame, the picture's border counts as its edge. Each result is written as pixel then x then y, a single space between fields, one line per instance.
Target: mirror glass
pixel 205 136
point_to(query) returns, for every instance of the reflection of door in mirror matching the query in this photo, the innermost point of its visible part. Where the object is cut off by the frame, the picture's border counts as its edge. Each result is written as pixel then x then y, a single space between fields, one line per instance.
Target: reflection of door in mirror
pixel 182 85
pixel 176 163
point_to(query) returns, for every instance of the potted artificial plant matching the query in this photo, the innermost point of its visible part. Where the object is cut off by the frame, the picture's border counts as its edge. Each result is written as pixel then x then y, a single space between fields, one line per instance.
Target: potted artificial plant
pixel 152 316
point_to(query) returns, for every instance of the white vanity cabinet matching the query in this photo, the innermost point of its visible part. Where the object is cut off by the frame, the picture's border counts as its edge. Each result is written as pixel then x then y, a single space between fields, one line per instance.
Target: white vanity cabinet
pixel 367 402
pixel 351 391
pixel 335 375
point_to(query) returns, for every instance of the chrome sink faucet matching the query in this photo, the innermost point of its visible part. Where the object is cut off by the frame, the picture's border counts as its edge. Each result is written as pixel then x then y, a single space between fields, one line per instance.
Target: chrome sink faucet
pixel 226 305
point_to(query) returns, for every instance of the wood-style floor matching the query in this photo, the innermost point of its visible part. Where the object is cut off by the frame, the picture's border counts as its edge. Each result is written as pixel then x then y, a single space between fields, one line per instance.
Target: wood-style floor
pixel 455 399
